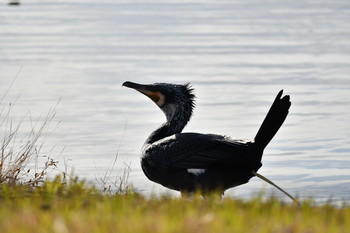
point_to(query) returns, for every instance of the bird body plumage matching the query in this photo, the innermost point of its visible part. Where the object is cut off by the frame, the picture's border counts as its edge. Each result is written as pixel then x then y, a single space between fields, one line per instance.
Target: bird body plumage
pixel 227 163
pixel 188 162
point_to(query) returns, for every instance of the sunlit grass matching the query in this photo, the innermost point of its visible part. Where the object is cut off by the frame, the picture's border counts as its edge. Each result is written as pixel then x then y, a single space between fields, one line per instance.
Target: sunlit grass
pixel 59 206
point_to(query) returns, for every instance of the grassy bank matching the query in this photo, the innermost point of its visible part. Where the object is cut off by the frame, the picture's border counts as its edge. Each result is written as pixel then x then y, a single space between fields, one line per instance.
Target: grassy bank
pixel 76 207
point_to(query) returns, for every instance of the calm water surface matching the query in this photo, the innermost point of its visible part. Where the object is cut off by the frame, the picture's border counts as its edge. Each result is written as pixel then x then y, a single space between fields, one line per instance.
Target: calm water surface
pixel 237 55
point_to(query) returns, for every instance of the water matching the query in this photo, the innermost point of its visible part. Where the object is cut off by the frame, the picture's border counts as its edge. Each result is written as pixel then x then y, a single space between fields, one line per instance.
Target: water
pixel 237 55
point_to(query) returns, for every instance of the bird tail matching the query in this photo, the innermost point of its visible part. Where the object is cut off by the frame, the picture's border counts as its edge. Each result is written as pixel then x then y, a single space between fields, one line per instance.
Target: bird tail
pixel 273 121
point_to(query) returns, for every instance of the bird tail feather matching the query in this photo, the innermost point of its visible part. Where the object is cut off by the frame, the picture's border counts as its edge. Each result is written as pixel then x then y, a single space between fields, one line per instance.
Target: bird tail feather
pixel 273 120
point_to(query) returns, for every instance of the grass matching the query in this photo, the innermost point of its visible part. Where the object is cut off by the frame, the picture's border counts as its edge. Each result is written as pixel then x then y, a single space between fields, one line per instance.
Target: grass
pixel 20 150
pixel 73 206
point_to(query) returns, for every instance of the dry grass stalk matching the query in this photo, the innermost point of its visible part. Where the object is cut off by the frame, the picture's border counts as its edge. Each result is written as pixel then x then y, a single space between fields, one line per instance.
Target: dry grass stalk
pixel 120 183
pixel 18 149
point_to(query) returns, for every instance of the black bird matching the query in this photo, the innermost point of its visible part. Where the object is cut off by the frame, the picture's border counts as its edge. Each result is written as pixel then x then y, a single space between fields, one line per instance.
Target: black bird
pixel 190 162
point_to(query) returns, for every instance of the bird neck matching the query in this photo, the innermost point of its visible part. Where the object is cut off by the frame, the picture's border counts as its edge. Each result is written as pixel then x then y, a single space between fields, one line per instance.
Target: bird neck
pixel 173 126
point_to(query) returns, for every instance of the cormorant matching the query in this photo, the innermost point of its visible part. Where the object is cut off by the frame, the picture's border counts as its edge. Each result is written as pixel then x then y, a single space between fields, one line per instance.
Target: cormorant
pixel 189 162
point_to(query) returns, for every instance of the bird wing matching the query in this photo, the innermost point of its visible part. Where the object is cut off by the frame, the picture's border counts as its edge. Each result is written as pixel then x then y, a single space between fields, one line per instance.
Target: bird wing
pixel 193 150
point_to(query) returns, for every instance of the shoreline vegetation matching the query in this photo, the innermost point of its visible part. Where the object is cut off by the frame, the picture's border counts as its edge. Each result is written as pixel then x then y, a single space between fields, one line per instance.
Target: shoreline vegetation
pixel 61 205
pixel 31 202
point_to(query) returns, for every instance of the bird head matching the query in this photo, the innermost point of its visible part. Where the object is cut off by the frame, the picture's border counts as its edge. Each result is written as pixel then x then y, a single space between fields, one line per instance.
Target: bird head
pixel 173 99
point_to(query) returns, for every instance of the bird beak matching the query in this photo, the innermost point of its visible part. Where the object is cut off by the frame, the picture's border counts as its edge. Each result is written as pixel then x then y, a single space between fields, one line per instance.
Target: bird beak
pixel 156 96
pixel 135 86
